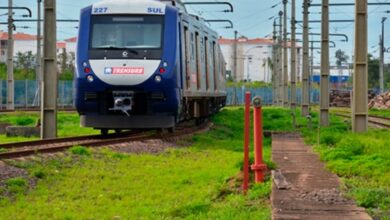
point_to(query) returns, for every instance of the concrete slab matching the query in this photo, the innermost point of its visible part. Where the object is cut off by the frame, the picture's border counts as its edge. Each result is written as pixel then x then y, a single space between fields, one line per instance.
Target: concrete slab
pixel 314 190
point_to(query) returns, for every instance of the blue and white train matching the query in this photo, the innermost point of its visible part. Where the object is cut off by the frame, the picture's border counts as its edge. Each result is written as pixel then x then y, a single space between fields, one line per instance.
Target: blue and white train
pixel 146 64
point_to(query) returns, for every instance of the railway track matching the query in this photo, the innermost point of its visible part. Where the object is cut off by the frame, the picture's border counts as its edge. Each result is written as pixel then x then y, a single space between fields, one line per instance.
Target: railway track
pixel 24 149
pixel 376 121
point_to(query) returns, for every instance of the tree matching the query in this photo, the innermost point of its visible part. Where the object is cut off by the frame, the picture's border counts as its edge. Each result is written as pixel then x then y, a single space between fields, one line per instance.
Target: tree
pixel 25 61
pixel 341 58
pixel 373 72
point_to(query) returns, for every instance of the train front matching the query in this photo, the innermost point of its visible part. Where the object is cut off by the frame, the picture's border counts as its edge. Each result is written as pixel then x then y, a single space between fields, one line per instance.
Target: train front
pixel 127 73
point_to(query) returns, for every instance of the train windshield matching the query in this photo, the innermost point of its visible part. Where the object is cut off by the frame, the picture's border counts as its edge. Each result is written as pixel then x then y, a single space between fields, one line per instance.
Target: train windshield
pixel 126 32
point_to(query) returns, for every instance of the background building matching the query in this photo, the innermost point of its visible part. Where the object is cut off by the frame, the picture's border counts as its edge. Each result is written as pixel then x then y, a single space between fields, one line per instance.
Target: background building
pixel 254 58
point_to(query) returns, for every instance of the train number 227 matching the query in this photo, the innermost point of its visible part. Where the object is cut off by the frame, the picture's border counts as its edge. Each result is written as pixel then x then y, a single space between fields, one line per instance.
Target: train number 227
pixel 100 10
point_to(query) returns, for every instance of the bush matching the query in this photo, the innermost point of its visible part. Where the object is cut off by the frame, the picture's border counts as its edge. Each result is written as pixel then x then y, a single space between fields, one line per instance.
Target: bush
pixel 24 121
pixel 329 138
pixel 370 198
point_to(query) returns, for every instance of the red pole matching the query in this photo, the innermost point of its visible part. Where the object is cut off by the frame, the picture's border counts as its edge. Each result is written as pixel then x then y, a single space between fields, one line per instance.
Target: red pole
pixel 259 166
pixel 245 183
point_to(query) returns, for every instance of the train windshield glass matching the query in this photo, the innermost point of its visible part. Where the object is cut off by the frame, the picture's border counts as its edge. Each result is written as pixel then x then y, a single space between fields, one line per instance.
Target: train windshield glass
pixel 126 32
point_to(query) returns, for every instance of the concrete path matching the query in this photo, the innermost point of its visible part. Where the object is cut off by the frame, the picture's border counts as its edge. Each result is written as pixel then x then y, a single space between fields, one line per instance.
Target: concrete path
pixel 312 190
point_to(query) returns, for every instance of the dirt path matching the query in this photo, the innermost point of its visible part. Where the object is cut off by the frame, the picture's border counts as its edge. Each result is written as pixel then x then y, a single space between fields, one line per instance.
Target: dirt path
pixel 313 191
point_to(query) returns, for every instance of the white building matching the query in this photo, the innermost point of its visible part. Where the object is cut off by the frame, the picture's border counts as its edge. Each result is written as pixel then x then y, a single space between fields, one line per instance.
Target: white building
pixel 71 44
pixel 26 42
pixel 253 56
pixel 22 43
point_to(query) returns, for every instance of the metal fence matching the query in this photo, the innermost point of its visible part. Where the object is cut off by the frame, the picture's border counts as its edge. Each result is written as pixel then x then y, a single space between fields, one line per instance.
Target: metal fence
pixel 26 94
pixel 266 95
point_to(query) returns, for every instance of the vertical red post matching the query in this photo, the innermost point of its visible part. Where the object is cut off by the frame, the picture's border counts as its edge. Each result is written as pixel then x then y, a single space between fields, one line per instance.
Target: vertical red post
pixel 258 167
pixel 245 183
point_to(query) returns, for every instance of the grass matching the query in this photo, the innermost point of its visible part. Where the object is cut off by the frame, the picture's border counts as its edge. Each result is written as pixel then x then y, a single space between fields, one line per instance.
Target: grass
pixel 68 124
pixel 201 181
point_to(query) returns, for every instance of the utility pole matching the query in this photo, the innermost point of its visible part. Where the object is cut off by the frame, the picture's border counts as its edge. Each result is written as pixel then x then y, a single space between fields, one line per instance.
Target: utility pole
pixel 234 101
pixel 299 74
pixel 360 78
pixel 10 60
pixel 235 56
pixel 311 70
pixel 305 60
pixel 275 66
pixel 280 52
pixel 293 55
pixel 39 61
pixel 381 56
pixel 324 82
pixel 285 57
pixel 49 77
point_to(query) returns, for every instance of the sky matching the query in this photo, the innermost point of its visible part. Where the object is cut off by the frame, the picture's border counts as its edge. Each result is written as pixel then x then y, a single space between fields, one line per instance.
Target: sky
pixel 250 19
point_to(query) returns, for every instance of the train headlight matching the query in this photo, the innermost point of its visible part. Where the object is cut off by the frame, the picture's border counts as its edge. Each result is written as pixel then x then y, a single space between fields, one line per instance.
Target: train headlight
pixel 90 78
pixel 85 64
pixel 157 79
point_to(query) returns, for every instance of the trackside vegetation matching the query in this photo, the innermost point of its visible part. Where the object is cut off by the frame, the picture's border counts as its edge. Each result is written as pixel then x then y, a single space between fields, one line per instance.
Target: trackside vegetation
pixel 200 180
pixel 68 124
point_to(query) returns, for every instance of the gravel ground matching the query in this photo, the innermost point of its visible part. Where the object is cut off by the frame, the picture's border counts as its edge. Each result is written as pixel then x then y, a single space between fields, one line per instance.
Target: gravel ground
pixel 8 172
pixel 154 146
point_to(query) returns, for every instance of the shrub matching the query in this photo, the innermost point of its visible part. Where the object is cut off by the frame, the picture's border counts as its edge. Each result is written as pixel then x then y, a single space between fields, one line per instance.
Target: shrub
pixel 329 138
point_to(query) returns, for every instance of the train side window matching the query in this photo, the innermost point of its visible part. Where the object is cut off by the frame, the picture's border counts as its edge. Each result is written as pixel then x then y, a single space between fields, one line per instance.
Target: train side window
pixel 215 65
pixel 192 47
pixel 197 58
pixel 206 59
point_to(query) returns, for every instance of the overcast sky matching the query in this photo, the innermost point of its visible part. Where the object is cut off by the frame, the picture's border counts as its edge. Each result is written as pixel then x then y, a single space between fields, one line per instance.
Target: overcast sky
pixel 250 18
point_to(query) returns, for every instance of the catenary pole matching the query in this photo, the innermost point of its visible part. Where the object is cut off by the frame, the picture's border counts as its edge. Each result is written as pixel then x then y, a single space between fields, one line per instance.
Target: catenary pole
pixel 285 56
pixel 305 60
pixel 39 60
pixel 10 61
pixel 293 55
pixel 274 69
pixel 311 68
pixel 324 82
pixel 280 52
pixel 360 78
pixel 381 56
pixel 49 78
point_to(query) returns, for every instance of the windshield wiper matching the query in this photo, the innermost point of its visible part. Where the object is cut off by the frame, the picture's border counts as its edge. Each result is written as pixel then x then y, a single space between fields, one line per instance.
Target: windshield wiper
pixel 118 48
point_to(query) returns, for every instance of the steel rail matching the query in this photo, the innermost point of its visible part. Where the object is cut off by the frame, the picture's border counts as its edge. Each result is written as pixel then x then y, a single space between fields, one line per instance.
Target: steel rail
pixel 63 140
pixel 104 142
pixel 383 125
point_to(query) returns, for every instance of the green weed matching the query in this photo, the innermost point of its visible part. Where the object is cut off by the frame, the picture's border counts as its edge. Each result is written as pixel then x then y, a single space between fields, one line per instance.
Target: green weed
pixel 80 150
pixel 16 185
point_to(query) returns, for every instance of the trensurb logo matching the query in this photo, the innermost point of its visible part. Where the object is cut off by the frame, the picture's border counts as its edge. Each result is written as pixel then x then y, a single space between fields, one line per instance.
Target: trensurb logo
pixel 155 10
